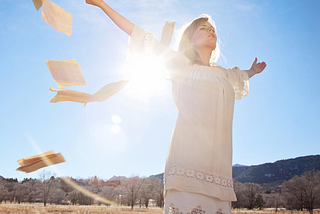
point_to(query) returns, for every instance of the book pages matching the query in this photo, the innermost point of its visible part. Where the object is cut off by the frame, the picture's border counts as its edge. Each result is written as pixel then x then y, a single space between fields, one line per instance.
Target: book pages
pixel 107 91
pixel 66 72
pixel 58 18
pixel 69 95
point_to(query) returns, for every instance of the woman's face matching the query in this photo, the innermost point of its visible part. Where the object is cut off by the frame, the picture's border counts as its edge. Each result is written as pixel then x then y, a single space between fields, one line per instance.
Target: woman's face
pixel 204 37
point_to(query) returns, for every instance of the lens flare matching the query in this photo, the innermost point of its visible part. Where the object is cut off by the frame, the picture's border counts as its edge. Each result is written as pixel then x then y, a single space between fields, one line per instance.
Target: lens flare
pixel 69 180
pixel 147 78
pixel 116 119
pixel 87 192
pixel 115 129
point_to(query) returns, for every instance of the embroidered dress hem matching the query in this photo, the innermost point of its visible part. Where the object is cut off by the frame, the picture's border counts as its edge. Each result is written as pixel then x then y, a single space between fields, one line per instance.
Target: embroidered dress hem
pixel 177 202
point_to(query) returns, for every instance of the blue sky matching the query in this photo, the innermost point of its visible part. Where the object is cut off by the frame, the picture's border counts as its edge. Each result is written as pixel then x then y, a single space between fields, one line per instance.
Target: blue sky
pixel 277 120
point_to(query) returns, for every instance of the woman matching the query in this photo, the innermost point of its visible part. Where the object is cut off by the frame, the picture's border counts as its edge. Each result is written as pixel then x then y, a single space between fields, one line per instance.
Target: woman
pixel 198 173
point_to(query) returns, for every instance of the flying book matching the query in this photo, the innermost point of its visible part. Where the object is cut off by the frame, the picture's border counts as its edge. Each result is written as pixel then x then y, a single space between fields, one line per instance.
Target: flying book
pixel 33 163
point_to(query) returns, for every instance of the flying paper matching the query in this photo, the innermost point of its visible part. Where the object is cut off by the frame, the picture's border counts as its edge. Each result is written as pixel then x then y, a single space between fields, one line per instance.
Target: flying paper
pixel 76 96
pixel 69 95
pixel 66 72
pixel 33 163
pixel 58 18
pixel 108 90
pixel 38 3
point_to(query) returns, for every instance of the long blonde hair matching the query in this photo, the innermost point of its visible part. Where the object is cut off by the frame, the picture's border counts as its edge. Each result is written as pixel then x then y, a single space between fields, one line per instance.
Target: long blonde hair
pixel 185 41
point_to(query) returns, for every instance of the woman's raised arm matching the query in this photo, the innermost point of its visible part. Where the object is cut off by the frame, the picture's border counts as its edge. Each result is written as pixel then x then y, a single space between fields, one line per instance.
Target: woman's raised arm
pixel 123 23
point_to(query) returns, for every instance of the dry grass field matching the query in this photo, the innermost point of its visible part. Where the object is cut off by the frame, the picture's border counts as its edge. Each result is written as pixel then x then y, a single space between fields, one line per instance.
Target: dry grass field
pixel 271 211
pixel 69 209
pixel 63 209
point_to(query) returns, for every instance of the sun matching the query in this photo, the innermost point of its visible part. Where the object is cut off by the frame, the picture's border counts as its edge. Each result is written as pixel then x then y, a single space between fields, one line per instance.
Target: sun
pixel 147 78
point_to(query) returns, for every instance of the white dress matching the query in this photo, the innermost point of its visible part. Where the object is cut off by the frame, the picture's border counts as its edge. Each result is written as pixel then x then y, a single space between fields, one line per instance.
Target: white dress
pixel 198 172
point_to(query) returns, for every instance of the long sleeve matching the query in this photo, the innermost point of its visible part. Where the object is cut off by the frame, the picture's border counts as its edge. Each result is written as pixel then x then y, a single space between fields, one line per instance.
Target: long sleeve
pixel 143 43
pixel 239 80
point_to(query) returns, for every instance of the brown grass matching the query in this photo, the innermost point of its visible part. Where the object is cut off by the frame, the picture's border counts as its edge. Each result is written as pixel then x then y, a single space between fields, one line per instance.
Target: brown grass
pixel 63 209
pixel 271 211
pixel 70 209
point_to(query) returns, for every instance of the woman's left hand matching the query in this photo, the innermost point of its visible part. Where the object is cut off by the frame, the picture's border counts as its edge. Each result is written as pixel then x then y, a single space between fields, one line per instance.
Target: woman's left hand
pixel 258 67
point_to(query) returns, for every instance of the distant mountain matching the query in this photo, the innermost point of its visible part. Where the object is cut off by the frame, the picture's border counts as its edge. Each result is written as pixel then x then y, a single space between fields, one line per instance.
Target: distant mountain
pixel 278 171
pixel 1 176
pixel 117 178
pixel 238 165
pixel 272 174
pixel 238 170
pixel 160 176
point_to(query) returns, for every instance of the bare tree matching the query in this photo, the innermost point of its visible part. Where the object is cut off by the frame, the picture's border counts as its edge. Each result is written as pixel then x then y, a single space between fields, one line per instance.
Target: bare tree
pixel 21 192
pixel 239 191
pixel 160 197
pixel 311 189
pixel 293 193
pixel 83 199
pixel 303 191
pixel 159 192
pixel 277 200
pixel 3 190
pixel 73 197
pixel 252 195
pixel 32 188
pixel 259 202
pixel 11 185
pixel 48 182
pixel 147 191
pixel 57 194
pixel 110 192
pixel 132 187
pixel 76 196
pixel 272 198
pixel 67 188
pixel 152 186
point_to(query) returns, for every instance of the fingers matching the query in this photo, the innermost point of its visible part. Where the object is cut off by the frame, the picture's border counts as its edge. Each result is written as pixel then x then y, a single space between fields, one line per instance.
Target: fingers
pixel 258 67
pixel 259 63
pixel 263 64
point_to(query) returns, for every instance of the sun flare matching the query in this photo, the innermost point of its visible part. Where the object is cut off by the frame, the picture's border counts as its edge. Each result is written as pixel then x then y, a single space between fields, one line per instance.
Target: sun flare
pixel 147 78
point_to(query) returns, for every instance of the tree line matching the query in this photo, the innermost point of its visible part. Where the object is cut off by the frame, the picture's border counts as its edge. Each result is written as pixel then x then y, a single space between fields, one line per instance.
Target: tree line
pixel 299 193
pixel 55 190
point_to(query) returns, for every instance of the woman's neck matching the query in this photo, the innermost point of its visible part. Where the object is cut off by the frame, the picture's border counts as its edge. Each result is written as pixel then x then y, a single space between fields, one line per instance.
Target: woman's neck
pixel 203 57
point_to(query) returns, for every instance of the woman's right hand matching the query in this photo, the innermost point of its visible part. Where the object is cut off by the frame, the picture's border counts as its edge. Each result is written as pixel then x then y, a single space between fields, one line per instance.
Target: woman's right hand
pixel 94 2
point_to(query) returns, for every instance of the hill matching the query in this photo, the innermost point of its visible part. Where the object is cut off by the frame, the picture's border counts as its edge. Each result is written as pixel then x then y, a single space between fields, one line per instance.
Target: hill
pixel 159 176
pixel 273 174
pixel 278 171
pixel 117 178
